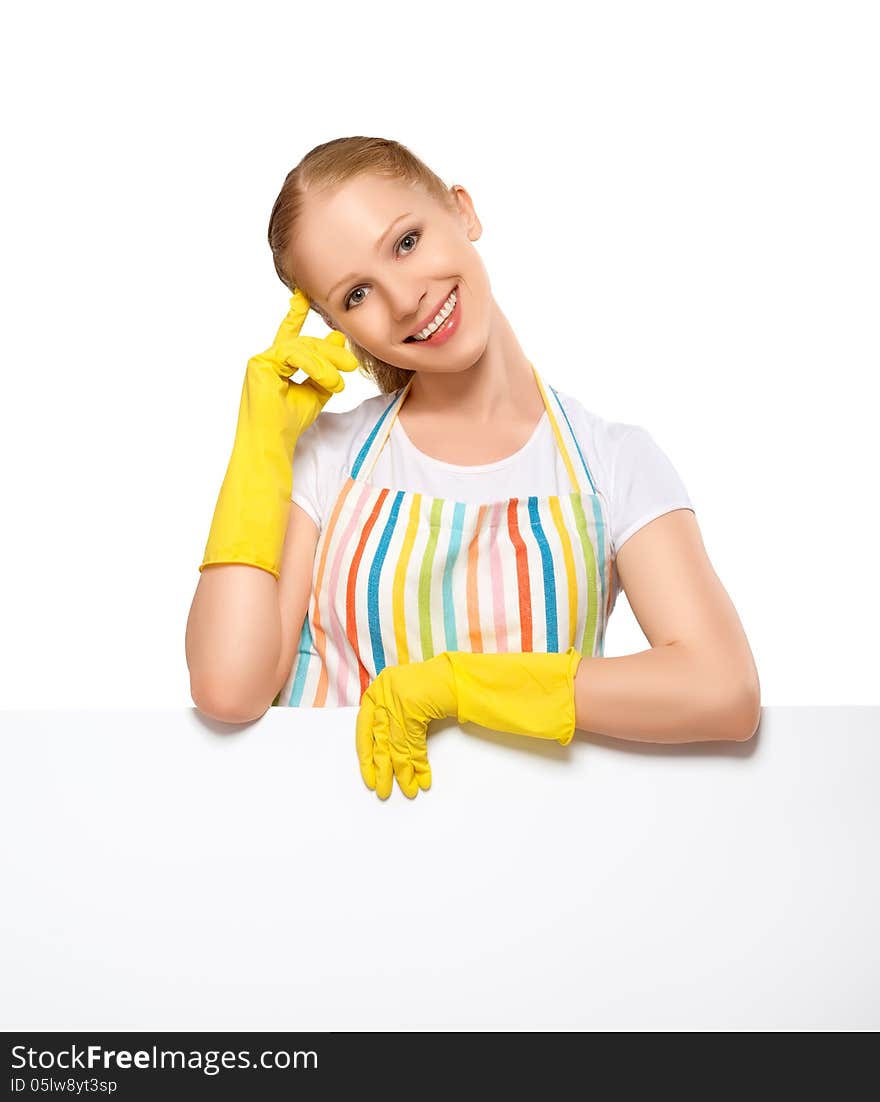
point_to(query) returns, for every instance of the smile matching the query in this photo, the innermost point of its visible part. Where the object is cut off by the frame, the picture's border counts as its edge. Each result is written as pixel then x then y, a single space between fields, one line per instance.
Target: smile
pixel 438 332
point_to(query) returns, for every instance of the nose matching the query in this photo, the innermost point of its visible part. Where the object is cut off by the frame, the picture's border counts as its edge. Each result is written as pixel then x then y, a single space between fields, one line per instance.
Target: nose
pixel 406 303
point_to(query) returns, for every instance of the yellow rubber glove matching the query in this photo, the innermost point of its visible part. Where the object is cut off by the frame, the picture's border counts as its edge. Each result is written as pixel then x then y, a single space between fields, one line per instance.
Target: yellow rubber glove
pixel 530 693
pixel 250 517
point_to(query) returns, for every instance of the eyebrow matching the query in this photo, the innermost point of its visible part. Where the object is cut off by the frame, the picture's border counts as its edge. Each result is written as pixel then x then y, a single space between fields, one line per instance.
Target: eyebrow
pixel 352 275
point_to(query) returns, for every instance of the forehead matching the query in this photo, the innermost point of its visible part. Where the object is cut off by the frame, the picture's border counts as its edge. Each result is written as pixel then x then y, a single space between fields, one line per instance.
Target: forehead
pixel 338 228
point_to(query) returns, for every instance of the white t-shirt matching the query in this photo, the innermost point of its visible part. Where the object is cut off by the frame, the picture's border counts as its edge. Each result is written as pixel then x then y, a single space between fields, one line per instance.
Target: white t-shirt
pixel 636 477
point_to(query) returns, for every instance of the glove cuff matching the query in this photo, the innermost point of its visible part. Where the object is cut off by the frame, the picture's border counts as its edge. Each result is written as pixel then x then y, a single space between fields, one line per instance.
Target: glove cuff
pixel 526 694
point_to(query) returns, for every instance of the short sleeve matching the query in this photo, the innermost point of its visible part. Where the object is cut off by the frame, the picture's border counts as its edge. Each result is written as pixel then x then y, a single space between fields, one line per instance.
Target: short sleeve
pixel 305 491
pixel 645 485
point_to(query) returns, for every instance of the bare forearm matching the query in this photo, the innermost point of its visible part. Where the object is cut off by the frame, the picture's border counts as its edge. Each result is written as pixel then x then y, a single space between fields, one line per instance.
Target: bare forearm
pixel 665 694
pixel 233 640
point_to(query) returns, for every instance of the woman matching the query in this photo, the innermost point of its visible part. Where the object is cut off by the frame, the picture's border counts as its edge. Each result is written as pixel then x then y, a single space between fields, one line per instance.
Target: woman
pixel 456 543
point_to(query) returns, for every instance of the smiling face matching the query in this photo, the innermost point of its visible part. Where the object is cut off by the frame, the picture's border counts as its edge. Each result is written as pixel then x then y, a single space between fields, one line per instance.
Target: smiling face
pixel 376 256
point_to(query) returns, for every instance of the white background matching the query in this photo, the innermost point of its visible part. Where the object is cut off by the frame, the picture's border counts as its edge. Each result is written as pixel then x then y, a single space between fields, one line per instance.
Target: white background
pixel 680 216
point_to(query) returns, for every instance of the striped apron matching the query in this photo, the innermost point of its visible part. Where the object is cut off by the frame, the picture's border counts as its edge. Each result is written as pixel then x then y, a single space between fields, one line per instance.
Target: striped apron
pixel 400 577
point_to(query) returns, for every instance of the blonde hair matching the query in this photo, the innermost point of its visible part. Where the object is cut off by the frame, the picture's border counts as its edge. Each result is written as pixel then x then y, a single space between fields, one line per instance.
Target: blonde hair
pixel 330 164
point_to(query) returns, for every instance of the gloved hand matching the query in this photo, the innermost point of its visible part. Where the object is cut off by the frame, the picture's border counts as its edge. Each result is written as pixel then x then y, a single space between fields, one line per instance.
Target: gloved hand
pixel 250 517
pixel 529 693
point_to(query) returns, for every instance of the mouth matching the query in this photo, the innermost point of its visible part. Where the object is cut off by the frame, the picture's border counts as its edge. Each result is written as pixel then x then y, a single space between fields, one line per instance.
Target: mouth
pixel 444 325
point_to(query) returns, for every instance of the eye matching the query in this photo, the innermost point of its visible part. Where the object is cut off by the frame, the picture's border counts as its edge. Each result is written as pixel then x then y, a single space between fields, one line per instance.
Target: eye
pixel 413 235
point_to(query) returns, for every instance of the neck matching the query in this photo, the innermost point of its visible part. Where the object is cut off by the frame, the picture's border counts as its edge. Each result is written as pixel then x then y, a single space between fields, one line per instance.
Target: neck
pixel 499 385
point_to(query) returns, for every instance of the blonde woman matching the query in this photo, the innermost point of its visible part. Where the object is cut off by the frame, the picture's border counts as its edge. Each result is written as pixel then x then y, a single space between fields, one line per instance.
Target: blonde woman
pixel 454 545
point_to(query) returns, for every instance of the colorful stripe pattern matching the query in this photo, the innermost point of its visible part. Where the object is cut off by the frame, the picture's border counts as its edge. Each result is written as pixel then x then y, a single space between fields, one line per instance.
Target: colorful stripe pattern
pixel 400 576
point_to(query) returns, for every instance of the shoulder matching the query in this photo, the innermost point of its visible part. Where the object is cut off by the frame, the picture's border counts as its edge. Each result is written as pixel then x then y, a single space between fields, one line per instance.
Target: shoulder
pixel 599 437
pixel 338 432
pixel 619 444
pixel 591 421
pixel 637 476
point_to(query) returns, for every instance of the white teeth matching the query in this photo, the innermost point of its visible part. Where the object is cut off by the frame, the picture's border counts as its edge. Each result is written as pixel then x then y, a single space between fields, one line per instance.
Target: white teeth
pixel 445 311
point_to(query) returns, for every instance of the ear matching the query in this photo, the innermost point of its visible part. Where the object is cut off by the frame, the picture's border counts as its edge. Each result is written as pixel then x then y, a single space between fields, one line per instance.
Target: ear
pixel 466 211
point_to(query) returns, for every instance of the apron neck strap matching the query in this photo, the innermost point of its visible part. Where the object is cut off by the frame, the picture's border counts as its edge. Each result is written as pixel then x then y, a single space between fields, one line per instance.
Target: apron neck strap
pixel 575 464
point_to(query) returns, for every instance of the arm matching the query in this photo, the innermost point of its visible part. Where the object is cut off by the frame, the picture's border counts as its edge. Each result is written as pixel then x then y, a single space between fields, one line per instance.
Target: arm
pixel 233 641
pixel 698 681
pixel 244 627
pixel 242 619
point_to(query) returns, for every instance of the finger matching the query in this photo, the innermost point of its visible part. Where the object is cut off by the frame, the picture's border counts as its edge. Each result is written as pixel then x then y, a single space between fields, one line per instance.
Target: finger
pixel 364 742
pixel 382 754
pixel 296 315
pixel 418 755
pixel 337 340
pixel 302 355
pixel 337 353
pixel 400 758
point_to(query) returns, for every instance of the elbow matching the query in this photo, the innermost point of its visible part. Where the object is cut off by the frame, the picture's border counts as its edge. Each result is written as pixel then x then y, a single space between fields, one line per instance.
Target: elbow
pixel 220 703
pixel 739 718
